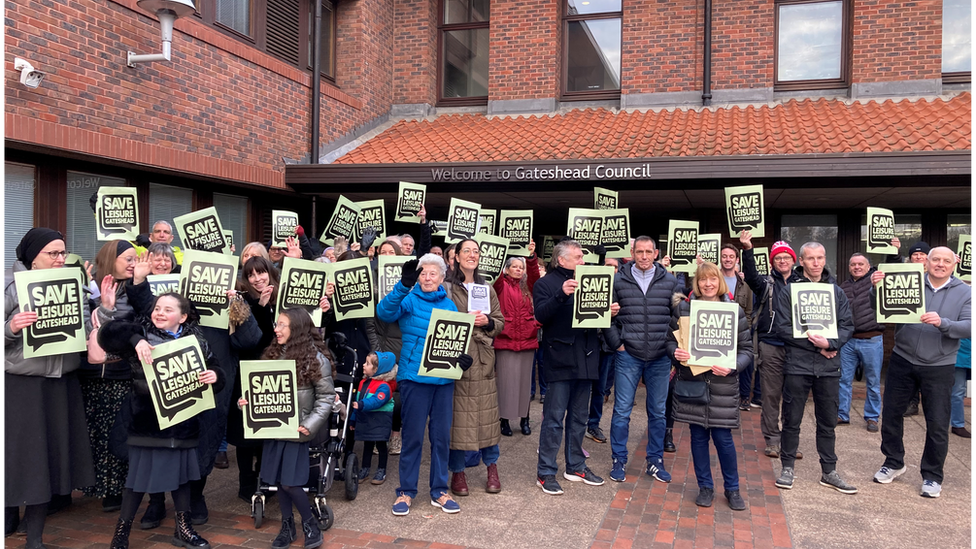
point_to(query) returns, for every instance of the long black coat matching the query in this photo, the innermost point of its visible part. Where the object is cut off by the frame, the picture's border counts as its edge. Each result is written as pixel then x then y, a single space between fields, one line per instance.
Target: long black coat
pixel 568 353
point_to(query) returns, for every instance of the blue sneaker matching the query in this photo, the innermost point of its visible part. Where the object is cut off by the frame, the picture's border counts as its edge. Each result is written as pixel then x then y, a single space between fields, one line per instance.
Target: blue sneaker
pixel 656 470
pixel 402 505
pixel 446 503
pixel 617 473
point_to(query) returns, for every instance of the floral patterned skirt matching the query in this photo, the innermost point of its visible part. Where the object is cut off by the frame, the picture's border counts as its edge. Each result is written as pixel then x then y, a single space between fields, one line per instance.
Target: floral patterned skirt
pixel 103 400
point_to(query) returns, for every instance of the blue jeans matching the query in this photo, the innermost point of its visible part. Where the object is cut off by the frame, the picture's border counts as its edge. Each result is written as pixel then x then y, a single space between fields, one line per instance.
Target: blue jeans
pixel 724 447
pixel 746 386
pixel 565 400
pixel 458 458
pixel 959 393
pixel 429 407
pixel 537 370
pixel 601 389
pixel 870 353
pixel 629 371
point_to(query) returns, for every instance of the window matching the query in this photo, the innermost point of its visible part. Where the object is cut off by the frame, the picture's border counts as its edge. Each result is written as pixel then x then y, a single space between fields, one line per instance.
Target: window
pixel 463 46
pixel 957 224
pixel 800 229
pixel 957 55
pixel 80 237
pixel 591 59
pixel 166 203
pixel 813 40
pixel 908 229
pixel 18 207
pixel 327 44
pixel 234 14
pixel 232 211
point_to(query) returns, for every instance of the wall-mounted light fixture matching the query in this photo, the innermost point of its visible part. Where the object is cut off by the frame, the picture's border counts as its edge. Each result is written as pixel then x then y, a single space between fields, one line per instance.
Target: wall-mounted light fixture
pixel 167 11
pixel 29 76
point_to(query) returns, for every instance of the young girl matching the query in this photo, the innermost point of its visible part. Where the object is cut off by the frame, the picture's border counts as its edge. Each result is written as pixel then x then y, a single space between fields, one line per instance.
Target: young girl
pixel 374 411
pixel 160 460
pixel 285 462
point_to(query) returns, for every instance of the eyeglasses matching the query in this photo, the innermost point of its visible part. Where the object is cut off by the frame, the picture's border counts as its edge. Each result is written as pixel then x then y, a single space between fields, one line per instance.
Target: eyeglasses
pixel 280 325
pixel 55 255
pixel 276 249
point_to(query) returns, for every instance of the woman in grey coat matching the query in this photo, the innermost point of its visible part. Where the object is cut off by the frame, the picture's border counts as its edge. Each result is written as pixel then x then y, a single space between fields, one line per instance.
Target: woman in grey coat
pixel 720 414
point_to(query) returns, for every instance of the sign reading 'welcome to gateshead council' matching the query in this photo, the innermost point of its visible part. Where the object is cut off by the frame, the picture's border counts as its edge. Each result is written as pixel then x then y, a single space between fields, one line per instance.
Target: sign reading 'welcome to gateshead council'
pixel 555 173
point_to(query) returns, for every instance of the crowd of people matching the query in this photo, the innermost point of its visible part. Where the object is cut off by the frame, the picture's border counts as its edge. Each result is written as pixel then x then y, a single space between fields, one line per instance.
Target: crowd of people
pixel 88 420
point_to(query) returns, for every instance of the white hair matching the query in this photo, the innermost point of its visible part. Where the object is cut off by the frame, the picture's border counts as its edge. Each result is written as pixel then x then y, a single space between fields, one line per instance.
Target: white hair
pixel 435 260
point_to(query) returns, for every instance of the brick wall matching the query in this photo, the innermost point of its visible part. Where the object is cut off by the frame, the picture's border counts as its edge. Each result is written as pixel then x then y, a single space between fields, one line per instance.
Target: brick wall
pixel 525 60
pixel 897 40
pixel 742 44
pixel 415 54
pixel 662 46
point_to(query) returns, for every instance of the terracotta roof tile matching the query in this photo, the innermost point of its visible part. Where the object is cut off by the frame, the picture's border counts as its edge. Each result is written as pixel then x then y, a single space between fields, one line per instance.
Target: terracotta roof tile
pixel 795 127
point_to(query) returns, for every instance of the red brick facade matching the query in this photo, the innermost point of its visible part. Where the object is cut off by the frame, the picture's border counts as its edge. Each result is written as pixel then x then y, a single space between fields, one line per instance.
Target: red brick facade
pixel 662 48
pixel 525 44
pixel 415 54
pixel 897 40
pixel 742 44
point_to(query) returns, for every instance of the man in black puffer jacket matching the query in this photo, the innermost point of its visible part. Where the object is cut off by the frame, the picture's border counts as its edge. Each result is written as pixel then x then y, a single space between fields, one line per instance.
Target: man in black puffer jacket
pixel 866 347
pixel 639 333
pixel 812 363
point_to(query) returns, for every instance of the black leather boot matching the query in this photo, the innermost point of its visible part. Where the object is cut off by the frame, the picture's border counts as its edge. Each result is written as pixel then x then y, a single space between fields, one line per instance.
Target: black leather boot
pixel 287 534
pixel 185 535
pixel 313 536
pixel 155 512
pixel 11 520
pixel 524 424
pixel 669 441
pixel 506 428
pixel 121 538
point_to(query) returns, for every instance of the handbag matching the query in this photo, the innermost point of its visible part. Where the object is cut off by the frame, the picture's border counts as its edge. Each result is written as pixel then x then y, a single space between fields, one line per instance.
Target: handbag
pixel 96 355
pixel 691 391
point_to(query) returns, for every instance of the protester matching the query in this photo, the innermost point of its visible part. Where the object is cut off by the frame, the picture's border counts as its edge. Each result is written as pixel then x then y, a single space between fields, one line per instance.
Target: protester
pixel 253 249
pixel 812 364
pixel 407 243
pixel 917 253
pixel 285 462
pixel 718 415
pixel 601 388
pixel 427 401
pixel 866 347
pixel 160 460
pixel 924 359
pixel 571 366
pixel 329 254
pixel 515 346
pixel 749 396
pixel 374 412
pixel 162 232
pixel 161 259
pixel 963 373
pixel 476 425
pixel 438 251
pixel 389 247
pixel 391 340
pixel 639 334
pixel 47 452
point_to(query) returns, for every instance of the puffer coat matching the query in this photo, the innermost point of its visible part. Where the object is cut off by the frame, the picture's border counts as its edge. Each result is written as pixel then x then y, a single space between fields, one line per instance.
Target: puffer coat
pixel 722 410
pixel 641 326
pixel 475 424
pixel 411 309
pixel 521 331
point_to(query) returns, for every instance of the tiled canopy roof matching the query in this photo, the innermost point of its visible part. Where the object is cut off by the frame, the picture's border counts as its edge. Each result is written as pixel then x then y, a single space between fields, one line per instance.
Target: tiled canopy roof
pixel 795 127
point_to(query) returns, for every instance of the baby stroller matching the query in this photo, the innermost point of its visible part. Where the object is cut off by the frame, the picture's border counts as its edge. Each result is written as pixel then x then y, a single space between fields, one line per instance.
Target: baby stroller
pixel 326 452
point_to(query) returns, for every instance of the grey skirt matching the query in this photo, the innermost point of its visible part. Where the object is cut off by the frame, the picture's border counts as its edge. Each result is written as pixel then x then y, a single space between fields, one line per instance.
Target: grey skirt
pixel 513 373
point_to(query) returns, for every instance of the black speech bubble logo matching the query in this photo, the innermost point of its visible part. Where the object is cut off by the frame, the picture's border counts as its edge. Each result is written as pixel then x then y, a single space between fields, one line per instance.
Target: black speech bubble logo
pixel 762 263
pixel 722 318
pixel 470 217
pixel 966 260
pixel 309 304
pixel 284 226
pixel 606 201
pixel 619 224
pixel 410 203
pixel 518 236
pixel 599 307
pixel 38 333
pixel 110 227
pixel 881 235
pixel 683 237
pixel 445 359
pixel 343 222
pixel 258 419
pixel 586 231
pixel 746 221
pixel 169 406
pixel 805 318
pixel 892 300
pixel 350 281
pixel 488 224
pixel 492 259
pixel 212 241
pixel 207 303
pixel 370 217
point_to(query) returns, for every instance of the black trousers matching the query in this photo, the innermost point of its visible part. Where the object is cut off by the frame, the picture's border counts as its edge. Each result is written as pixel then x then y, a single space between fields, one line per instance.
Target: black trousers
pixel 826 391
pixel 903 380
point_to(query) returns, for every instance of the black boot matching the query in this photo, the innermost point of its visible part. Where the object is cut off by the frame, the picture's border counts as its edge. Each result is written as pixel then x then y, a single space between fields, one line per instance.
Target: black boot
pixel 313 536
pixel 111 504
pixel 287 534
pixel 506 428
pixel 58 503
pixel 11 520
pixel 155 512
pixel 198 504
pixel 34 516
pixel 526 430
pixel 121 538
pixel 669 441
pixel 185 535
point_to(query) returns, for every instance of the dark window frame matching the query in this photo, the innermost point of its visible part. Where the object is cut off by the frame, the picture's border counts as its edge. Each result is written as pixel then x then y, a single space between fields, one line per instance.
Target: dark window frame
pixel 846 50
pixel 328 6
pixel 597 95
pixel 442 29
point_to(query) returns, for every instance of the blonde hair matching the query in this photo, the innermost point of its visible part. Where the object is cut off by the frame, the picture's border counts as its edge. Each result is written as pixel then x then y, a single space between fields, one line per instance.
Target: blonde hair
pixel 708 270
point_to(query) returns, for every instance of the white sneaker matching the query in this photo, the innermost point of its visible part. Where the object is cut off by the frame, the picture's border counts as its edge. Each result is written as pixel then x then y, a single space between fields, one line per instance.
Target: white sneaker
pixel 885 475
pixel 931 489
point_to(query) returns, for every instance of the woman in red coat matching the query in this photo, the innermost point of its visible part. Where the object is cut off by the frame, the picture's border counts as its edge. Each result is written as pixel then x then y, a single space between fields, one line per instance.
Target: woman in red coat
pixel 515 346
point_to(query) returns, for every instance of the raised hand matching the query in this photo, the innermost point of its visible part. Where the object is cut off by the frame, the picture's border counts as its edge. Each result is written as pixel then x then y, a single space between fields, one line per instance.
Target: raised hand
pixel 294 250
pixel 746 240
pixel 265 296
pixel 143 268
pixel 108 289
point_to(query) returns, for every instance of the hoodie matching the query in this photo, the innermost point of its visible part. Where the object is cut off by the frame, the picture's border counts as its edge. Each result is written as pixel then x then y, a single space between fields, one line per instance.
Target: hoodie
pixel 926 345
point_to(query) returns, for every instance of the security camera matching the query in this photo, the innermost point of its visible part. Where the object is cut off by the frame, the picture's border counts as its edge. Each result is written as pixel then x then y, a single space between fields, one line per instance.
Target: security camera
pixel 29 76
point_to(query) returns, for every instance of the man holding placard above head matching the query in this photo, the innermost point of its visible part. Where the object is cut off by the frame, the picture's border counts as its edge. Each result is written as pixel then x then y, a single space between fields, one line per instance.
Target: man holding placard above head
pixel 924 358
pixel 866 347
pixel 639 333
pixel 814 321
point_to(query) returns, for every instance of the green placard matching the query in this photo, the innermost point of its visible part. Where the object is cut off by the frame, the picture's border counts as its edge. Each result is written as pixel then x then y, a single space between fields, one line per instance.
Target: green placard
pixel 175 389
pixel 714 329
pixel 615 232
pixel 438 228
pixel 462 220
pixel 410 199
pixel 548 243
pixel 204 280
pixel 745 210
pixel 270 388
pixel 229 237
pixel 56 296
pixel 604 199
pixel 493 251
pixel 353 297
pixel 814 309
pixel 160 284
pixel 372 213
pixel 761 256
pixel 283 224
pixel 683 245
pixel 881 229
pixel 302 286
pixel 117 213
pixel 389 272
pixel 586 226
pixel 343 221
pixel 592 297
pixel 901 293
pixel 709 246
pixel 448 336
pixel 964 269
pixel 516 226
pixel 487 219
pixel 201 230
